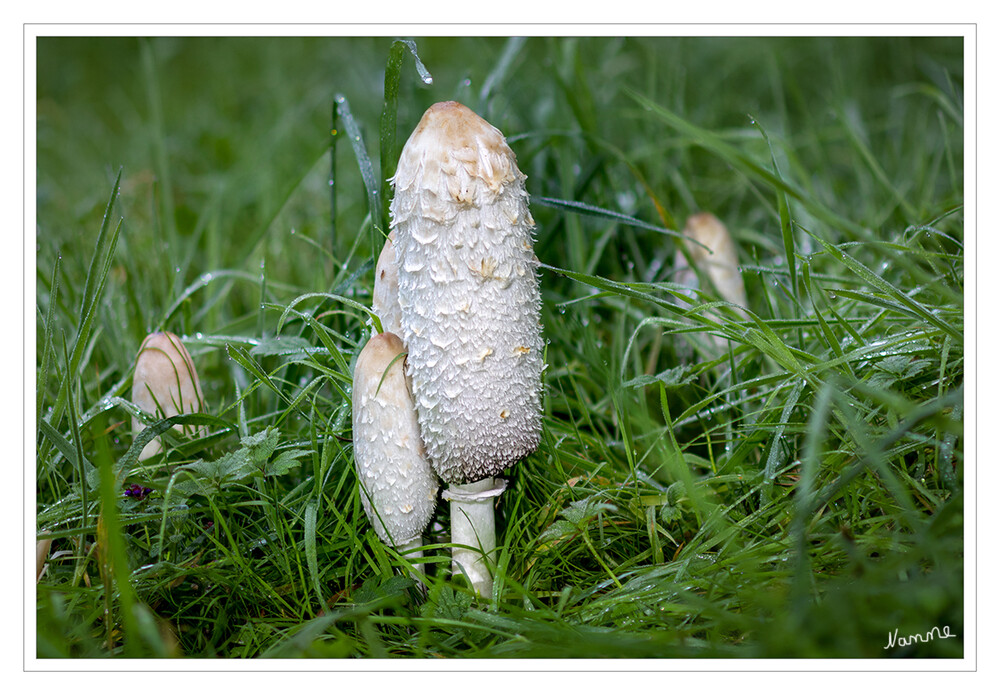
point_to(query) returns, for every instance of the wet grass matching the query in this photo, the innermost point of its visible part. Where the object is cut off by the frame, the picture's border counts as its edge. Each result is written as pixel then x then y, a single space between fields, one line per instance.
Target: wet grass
pixel 798 493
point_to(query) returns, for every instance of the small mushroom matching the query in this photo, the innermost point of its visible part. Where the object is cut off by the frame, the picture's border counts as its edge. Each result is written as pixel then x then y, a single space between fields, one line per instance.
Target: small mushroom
pixel 716 258
pixel 385 298
pixel 165 384
pixel 398 486
pixel 42 548
pixel 470 314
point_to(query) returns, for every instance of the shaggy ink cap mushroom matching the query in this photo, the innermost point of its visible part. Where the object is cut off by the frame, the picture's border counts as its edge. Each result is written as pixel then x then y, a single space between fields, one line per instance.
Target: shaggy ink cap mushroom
pixel 468 294
pixel 715 255
pixel 165 384
pixel 399 488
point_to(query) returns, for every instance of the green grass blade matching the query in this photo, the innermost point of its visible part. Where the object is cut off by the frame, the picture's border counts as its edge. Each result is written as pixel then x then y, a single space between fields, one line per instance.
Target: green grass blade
pixel 378 232
pixel 48 346
pixel 499 73
pixel 745 163
pixel 311 555
pixel 97 275
pixel 388 151
pixel 594 211
pixel 880 284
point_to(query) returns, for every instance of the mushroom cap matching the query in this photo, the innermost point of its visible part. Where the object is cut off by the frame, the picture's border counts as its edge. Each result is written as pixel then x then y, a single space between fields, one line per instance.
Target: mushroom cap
pixel 165 383
pixel 385 297
pixel 399 486
pixel 718 261
pixel 468 294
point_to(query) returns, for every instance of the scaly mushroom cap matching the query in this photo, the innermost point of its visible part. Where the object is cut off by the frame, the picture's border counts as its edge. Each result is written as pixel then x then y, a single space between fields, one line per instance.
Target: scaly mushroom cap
pixel 399 485
pixel 468 294
pixel 385 297
pixel 165 384
pixel 718 261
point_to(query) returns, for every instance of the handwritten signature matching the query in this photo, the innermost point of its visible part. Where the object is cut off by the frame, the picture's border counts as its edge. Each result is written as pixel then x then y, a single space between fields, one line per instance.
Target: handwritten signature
pixel 934 633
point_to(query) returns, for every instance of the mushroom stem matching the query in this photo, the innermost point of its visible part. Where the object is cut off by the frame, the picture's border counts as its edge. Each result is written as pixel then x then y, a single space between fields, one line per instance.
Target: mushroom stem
pixel 473 531
pixel 411 549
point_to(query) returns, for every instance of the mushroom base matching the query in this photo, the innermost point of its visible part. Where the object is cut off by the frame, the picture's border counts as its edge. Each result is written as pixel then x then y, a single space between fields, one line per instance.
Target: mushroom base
pixel 473 531
pixel 412 550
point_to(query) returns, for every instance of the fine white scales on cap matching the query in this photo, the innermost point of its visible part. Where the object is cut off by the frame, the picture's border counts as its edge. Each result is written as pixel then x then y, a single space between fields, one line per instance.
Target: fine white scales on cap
pixel 399 487
pixel 468 294
pixel 165 384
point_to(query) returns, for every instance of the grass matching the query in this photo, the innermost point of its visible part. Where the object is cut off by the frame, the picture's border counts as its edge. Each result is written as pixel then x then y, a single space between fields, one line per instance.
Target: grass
pixel 798 494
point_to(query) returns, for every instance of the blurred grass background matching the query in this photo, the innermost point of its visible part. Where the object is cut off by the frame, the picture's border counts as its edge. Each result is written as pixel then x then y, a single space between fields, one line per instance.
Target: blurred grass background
pixel 799 495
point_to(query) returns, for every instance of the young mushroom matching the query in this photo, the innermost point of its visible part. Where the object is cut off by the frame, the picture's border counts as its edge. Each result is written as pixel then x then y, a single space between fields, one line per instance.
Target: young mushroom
pixel 470 313
pixel 717 261
pixel 398 486
pixel 165 384
pixel 42 548
pixel 716 258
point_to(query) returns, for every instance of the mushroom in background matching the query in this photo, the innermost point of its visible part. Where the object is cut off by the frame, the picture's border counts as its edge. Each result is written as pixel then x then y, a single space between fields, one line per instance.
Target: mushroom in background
pixel 470 313
pixel 42 548
pixel 399 488
pixel 165 384
pixel 718 261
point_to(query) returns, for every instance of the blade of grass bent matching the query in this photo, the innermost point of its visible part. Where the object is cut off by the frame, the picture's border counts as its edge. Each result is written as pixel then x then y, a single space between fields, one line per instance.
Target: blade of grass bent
pixel 888 288
pixel 367 172
pixel 745 163
pixel 97 275
pixel 48 327
pixel 388 154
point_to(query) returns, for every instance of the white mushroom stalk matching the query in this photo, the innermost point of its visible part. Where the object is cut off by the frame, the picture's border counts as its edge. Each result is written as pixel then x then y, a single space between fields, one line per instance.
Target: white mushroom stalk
pixel 470 314
pixel 398 486
pixel 165 384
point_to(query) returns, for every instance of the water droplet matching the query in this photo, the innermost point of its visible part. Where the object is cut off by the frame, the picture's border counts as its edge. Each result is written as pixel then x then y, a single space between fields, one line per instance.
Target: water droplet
pixel 428 79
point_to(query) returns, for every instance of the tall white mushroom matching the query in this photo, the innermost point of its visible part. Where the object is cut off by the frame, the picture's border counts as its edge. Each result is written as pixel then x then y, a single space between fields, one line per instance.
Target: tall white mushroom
pixel 165 384
pixel 470 314
pixel 399 488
